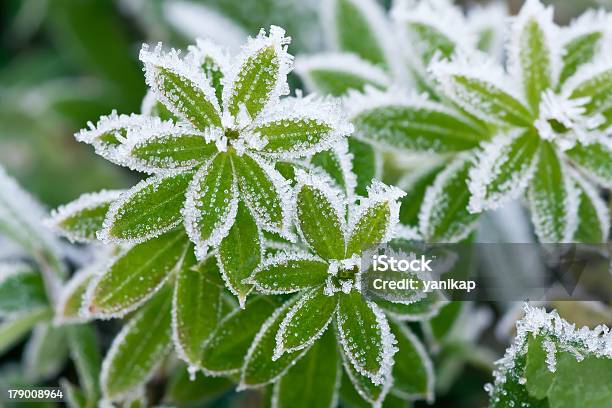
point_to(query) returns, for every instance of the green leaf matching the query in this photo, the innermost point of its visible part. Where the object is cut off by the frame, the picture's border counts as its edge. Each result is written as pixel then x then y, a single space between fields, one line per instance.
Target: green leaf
pixel 196 310
pixel 534 58
pixel 210 204
pixel 320 219
pixel 430 41
pixel 14 329
pixel 264 191
pixel 577 52
pixel 81 219
pixel 356 383
pixel 318 374
pixel 595 159
pixel 337 74
pixel 70 303
pixel 147 210
pixel 484 99
pixel 262 75
pixel 85 353
pixel 420 310
pixel 260 367
pixel 367 164
pixel 330 162
pixel 21 289
pixel 74 397
pixel 551 364
pixel 441 325
pixel 169 148
pixel 365 336
pixel 413 370
pixel 136 275
pixel 553 198
pixel 152 107
pixel 373 224
pixel 138 349
pixel 418 126
pixel 45 353
pixel 21 222
pixel 593 214
pixel 356 28
pixel 296 136
pixel 185 93
pixel 289 272
pixel 211 60
pixel 240 253
pixel 596 87
pixel 305 322
pixel 444 215
pixel 225 350
pixel 504 168
pixel 415 187
pixel 182 390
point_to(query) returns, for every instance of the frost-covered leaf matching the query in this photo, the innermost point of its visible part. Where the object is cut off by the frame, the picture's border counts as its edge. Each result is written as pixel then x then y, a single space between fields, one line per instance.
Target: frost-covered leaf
pixel 261 74
pixel 167 147
pixel 492 96
pixel 240 253
pixel 147 210
pixel 417 311
pixel 196 310
pixel 337 164
pixel 365 336
pixel 554 365
pixel 593 81
pixel 152 107
pixel 214 61
pixel 359 27
pixel 578 52
pixel 73 395
pixel 138 349
pixel 318 374
pixel 289 272
pixel 264 191
pixel 373 222
pixel 336 74
pixel 320 217
pixel 21 221
pixel 301 126
pixel 433 28
pixel 211 204
pixel 444 215
pixel 85 353
pixel 225 350
pixel 595 159
pixel 70 302
pixel 181 86
pixel 367 164
pixel 395 121
pixel 110 132
pixel 413 373
pixel 504 168
pixel 13 329
pixel 45 352
pixel 260 368
pixel 593 214
pixel 305 321
pixel 80 220
pixel 553 198
pixel 21 288
pixel 136 275
pixel 531 58
pixel 365 390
